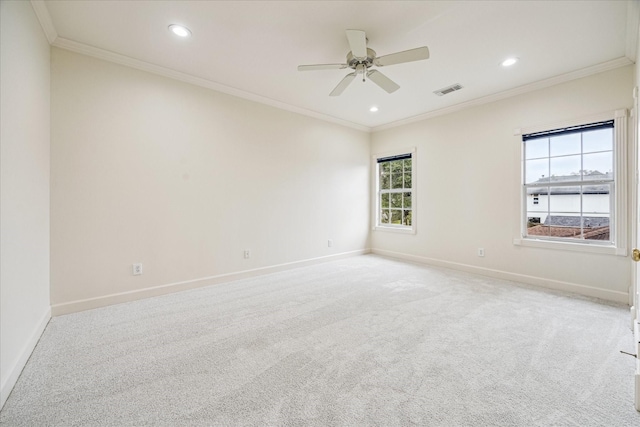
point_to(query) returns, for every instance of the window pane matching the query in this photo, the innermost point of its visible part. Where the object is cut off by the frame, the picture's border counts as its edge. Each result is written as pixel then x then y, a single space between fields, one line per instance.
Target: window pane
pixel 565 225
pixel 406 217
pixel 597 140
pixel 564 200
pixel 384 200
pixel 565 166
pixel 396 200
pixel 537 212
pixel 396 180
pixel 407 200
pixel 596 227
pixel 565 144
pixel 396 166
pixel 597 165
pixel 385 216
pixel 536 170
pixel 407 165
pixel 538 202
pixel 536 148
pixel 407 180
pixel 596 199
pixel 385 181
pixel 396 216
pixel 384 167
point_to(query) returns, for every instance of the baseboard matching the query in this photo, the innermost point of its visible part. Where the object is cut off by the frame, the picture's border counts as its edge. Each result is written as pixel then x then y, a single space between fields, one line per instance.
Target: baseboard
pixel 91 303
pixel 637 399
pixel 636 341
pixel 589 291
pixel 15 371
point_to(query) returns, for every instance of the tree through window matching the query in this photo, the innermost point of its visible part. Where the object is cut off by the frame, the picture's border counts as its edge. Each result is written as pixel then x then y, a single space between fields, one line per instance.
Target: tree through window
pixel 395 201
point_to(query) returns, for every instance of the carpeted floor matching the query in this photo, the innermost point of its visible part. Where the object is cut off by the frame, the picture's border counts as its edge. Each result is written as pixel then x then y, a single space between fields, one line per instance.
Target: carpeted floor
pixel 361 341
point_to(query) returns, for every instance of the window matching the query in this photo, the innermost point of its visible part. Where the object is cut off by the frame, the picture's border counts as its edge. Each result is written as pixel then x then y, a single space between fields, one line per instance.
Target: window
pixel 394 191
pixel 570 183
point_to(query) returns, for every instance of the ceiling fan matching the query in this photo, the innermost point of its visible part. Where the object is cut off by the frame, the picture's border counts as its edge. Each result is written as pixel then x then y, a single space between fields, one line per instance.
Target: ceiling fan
pixel 361 59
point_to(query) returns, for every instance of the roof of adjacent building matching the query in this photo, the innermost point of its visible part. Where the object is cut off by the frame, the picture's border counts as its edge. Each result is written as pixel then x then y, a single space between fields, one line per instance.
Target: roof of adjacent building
pixel 594 228
pixel 574 221
pixel 594 177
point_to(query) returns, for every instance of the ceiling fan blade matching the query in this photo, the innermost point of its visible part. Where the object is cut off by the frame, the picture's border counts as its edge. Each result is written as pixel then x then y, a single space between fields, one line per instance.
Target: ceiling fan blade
pixel 322 67
pixel 411 55
pixel 357 43
pixel 343 84
pixel 383 81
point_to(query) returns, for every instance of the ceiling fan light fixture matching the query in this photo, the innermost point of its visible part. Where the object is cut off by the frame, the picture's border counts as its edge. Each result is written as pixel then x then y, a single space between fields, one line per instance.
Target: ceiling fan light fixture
pixel 180 30
pixel 373 109
pixel 509 62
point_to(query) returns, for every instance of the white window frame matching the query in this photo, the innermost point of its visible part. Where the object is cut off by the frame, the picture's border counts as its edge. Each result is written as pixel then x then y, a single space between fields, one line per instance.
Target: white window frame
pixel 376 192
pixel 618 245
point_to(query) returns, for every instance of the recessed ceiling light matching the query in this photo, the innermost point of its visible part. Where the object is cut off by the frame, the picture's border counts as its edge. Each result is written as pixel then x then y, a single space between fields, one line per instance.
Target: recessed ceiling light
pixel 373 109
pixel 509 62
pixel 179 30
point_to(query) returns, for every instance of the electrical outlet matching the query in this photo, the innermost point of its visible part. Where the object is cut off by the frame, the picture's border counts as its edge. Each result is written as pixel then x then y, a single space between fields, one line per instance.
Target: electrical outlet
pixel 330 243
pixel 480 251
pixel 137 269
pixel 247 254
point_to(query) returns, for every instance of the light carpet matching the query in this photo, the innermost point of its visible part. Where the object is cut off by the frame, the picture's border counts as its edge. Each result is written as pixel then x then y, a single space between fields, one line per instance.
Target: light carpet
pixel 355 342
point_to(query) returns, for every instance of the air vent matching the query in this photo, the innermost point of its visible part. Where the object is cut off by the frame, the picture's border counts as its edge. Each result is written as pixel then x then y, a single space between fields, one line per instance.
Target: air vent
pixel 448 89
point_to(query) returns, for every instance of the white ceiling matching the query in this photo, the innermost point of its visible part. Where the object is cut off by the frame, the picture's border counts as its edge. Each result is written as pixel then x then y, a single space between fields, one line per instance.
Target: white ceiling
pixel 252 48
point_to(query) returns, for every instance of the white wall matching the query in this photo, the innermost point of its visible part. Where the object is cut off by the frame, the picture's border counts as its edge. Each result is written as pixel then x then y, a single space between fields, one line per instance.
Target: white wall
pixel 636 199
pixel 184 179
pixel 468 188
pixel 24 188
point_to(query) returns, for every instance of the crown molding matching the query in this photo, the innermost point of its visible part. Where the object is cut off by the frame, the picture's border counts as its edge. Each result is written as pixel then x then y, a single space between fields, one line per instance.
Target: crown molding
pixel 42 13
pixel 633 20
pixel 197 81
pixel 541 84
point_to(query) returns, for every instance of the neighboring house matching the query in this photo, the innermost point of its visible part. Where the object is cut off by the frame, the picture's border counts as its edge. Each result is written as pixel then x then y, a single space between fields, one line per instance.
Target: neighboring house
pixel 559 210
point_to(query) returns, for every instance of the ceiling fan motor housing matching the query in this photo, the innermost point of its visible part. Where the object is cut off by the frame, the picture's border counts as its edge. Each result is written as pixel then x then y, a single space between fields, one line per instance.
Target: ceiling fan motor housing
pixel 353 61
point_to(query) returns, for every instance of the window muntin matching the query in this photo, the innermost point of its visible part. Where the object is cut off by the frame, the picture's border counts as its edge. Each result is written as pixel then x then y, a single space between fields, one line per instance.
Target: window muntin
pixel 395 191
pixel 569 184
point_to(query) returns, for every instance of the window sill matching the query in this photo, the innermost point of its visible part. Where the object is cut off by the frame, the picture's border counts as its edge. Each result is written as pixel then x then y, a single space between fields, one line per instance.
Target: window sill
pixel 402 230
pixel 568 246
